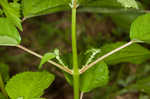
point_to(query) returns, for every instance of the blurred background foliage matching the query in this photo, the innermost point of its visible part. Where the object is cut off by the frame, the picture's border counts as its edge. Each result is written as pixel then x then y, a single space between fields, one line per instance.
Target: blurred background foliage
pixel 98 24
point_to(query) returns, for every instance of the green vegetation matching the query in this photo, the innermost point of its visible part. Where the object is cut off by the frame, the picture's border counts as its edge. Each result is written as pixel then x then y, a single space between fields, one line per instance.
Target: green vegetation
pixel 91 64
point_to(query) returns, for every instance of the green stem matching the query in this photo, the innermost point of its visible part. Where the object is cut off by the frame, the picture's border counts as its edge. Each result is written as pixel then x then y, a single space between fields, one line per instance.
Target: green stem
pixel 75 56
pixel 2 87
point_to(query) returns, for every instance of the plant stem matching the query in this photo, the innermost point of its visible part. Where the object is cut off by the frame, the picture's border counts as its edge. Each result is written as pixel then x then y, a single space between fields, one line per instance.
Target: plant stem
pixel 81 95
pixel 105 56
pixel 2 87
pixel 64 68
pixel 74 51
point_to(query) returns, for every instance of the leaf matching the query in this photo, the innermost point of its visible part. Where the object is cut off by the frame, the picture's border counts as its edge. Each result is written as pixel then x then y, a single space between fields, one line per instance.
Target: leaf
pixel 32 7
pixel 4 71
pixel 9 35
pixel 134 53
pixel 12 11
pixel 52 10
pixel 94 51
pixel 45 58
pixel 1 12
pixel 57 53
pixel 67 60
pixel 95 77
pixel 129 3
pixel 29 85
pixel 14 14
pixel 141 85
pixel 140 29
pixel 100 3
pixel 16 6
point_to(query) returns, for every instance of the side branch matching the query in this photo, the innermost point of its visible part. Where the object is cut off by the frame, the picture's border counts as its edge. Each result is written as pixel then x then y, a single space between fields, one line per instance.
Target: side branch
pixel 82 70
pixel 64 68
pixel 81 95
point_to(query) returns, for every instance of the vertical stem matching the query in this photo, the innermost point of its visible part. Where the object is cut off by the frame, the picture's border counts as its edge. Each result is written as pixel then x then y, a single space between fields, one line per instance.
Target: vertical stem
pixel 2 87
pixel 74 51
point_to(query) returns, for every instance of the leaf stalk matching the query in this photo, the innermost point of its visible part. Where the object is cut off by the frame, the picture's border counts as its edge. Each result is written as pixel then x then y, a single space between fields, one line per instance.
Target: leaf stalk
pixel 85 68
pixel 64 68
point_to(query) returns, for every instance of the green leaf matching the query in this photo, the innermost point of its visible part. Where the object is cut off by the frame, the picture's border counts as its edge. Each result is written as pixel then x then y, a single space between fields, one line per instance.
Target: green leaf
pixel 140 29
pixel 16 7
pixel 9 35
pixel 129 3
pixel 67 60
pixel 100 3
pixel 29 85
pixel 33 7
pixel 12 11
pixel 95 77
pixel 57 53
pixel 4 71
pixel 94 52
pixel 134 53
pixel 106 6
pixel 1 12
pixel 52 10
pixel 83 59
pixel 46 57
